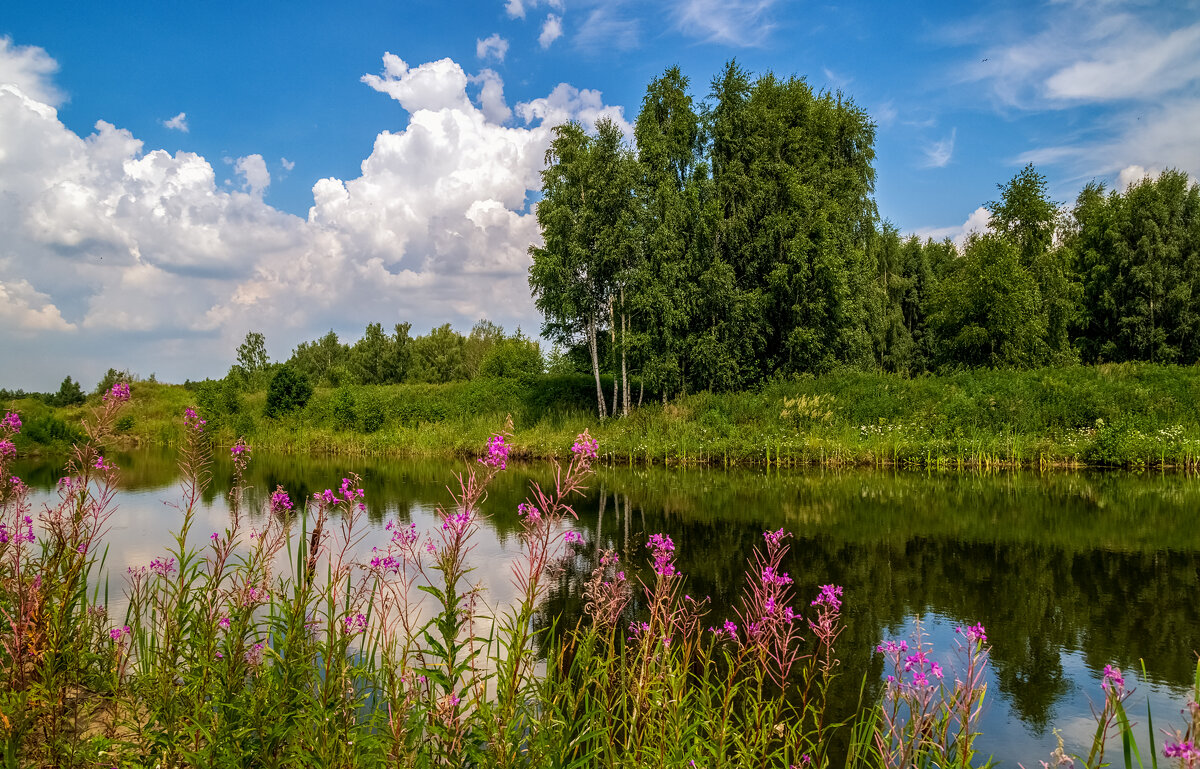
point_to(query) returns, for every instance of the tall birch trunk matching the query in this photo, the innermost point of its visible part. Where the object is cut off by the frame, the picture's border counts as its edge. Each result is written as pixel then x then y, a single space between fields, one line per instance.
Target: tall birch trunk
pixel 596 364
pixel 612 326
pixel 624 368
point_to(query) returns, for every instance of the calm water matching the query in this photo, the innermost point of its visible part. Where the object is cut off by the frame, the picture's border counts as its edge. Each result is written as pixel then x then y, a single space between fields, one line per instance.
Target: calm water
pixel 1068 572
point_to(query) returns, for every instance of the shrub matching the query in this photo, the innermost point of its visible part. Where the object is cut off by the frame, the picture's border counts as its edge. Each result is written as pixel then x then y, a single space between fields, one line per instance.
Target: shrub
pixel 289 390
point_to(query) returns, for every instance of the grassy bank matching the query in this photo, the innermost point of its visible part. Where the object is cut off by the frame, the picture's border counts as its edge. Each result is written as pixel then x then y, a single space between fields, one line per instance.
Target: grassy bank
pixel 289 645
pixel 1128 415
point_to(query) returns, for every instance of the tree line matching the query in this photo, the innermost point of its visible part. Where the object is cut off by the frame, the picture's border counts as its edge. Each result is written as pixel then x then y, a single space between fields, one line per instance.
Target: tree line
pixel 738 240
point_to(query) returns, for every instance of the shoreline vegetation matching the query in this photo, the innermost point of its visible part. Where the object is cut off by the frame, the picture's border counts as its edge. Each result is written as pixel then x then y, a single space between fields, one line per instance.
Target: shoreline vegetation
pixel 283 644
pixel 1132 415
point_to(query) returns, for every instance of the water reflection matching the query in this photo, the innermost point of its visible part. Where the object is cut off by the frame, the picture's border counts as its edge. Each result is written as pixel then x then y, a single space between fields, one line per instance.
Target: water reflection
pixel 1069 572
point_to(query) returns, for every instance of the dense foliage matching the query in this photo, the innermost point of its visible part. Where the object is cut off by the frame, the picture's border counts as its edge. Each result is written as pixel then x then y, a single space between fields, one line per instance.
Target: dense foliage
pixel 738 241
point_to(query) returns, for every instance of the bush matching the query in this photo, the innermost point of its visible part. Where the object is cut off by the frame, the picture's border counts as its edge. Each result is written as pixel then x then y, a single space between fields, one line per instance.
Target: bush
pixel 344 414
pixel 289 390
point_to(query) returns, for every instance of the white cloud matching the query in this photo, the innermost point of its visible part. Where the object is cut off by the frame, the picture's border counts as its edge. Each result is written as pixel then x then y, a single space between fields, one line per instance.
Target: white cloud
pixel 727 22
pixel 118 255
pixel 493 47
pixel 177 123
pixel 288 165
pixel 1149 137
pixel 1135 63
pixel 29 69
pixel 977 222
pixel 606 29
pixel 255 176
pixel 25 310
pixel 939 153
pixel 491 96
pixel 551 30
pixel 1131 175
pixel 566 102
pixel 516 8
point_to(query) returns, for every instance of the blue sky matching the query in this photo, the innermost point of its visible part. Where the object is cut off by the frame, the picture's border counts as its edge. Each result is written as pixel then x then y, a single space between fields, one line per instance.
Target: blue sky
pixel 172 177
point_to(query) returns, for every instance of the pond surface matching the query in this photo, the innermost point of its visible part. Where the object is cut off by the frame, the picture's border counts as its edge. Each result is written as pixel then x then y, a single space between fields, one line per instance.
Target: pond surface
pixel 1068 572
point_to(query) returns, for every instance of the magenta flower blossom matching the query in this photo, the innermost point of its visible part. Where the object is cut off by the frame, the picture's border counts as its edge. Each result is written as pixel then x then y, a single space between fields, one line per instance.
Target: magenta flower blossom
pixel 663 553
pixel 355 624
pixel 728 630
pixel 254 655
pixel 7 450
pixel 118 393
pixel 163 567
pixel 830 597
pixel 1185 750
pixel 973 633
pixel 1112 678
pixel 457 522
pixel 192 421
pixel 529 512
pixel 11 422
pixel 118 633
pixel 223 623
pixel 573 538
pixel 775 537
pixel 497 453
pixel 102 465
pixel 585 447
pixel 280 503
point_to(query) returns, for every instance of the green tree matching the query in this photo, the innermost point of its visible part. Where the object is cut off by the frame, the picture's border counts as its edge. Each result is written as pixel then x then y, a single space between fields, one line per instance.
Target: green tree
pixel 671 175
pixel 325 361
pixel 586 216
pixel 69 394
pixel 252 358
pixel 110 378
pixel 1139 257
pixel 437 357
pixel 370 360
pixel 1027 217
pixel 288 391
pixel 987 309
pixel 484 336
pixel 512 357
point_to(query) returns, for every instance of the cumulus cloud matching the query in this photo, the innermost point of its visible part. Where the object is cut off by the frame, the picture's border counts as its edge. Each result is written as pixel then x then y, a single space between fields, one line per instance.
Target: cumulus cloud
pixel 493 47
pixel 255 176
pixel 939 153
pixel 29 69
pixel 728 22
pixel 551 30
pixel 177 123
pixel 26 310
pixel 139 258
pixel 977 222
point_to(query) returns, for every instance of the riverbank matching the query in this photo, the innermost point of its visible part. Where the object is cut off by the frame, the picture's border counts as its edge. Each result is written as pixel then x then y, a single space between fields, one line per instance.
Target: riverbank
pixel 1128 415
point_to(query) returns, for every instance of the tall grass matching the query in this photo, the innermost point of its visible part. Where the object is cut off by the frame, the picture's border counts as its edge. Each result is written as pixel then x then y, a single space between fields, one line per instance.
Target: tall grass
pixel 283 641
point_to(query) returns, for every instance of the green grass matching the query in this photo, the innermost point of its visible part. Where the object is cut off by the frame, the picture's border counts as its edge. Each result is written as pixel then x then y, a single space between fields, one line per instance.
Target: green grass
pixel 1127 415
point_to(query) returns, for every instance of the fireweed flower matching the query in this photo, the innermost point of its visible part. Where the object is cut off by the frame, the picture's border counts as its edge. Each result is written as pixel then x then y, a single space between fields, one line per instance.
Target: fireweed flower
pixel 11 422
pixel 1112 679
pixel 775 537
pixel 1185 750
pixel 102 465
pixel 829 597
pixel 354 625
pixel 7 450
pixel 573 538
pixel 529 512
pixel 192 421
pixel 223 623
pixel 118 393
pixel 163 567
pixel 497 453
pixel 973 633
pixel 280 503
pixel 662 551
pixel 458 522
pixel 585 447
pixel 254 655
pixel 118 633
